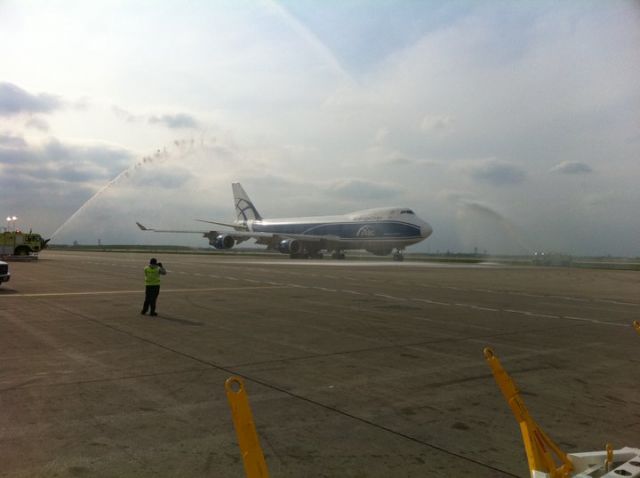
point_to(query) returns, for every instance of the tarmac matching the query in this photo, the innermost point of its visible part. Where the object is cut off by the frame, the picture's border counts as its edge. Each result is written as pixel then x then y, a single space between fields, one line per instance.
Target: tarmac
pixel 353 368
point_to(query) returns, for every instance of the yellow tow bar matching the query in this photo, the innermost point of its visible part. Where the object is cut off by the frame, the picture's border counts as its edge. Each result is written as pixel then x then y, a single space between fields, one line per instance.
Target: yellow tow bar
pixel 252 456
pixel 542 453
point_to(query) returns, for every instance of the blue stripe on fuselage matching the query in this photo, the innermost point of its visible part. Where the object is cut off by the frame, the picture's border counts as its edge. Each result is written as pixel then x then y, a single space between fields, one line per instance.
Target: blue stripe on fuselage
pixel 346 230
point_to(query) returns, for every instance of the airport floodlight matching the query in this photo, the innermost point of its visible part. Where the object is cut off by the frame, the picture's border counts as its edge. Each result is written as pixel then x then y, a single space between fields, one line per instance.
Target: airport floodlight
pixel 11 219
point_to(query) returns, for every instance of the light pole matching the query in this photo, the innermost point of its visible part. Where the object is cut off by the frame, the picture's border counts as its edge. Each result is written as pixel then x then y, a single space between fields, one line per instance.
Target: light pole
pixel 11 219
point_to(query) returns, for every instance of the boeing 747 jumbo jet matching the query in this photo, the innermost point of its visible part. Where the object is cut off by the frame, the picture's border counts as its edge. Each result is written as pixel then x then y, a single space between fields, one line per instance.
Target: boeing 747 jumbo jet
pixel 379 231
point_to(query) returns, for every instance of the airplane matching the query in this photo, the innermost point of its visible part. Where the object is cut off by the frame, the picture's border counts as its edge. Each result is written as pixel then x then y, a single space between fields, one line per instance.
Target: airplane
pixel 379 231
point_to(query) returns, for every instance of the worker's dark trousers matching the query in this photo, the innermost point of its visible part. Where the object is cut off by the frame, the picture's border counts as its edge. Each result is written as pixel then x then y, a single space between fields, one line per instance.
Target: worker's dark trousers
pixel 150 296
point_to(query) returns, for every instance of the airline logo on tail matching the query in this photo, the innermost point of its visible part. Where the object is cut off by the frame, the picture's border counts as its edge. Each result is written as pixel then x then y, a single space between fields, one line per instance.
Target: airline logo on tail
pixel 245 210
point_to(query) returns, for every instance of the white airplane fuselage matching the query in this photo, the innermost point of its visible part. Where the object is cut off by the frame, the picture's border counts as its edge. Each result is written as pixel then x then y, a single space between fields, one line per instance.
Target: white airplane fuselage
pixel 376 230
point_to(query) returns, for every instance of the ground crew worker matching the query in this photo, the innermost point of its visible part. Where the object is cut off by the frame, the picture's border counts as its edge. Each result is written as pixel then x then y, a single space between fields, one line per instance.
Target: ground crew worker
pixel 152 285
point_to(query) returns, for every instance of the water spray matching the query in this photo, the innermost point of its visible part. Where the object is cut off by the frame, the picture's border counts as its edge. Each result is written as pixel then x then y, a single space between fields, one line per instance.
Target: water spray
pixel 159 157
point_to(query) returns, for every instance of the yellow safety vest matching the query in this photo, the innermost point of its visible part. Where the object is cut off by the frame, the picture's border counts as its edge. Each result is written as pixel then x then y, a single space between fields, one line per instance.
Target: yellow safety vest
pixel 151 275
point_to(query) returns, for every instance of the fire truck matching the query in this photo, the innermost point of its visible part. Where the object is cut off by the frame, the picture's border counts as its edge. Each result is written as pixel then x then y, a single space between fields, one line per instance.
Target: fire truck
pixel 18 243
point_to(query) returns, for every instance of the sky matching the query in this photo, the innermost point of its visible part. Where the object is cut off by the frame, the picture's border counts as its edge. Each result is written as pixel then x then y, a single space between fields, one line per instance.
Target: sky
pixel 511 127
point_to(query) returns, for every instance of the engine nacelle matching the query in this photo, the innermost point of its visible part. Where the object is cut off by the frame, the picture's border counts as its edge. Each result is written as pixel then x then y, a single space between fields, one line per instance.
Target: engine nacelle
pixel 222 242
pixel 289 246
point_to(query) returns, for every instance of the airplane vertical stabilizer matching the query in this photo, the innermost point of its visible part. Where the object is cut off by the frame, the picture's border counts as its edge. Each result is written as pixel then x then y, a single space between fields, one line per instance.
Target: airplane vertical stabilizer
pixel 245 210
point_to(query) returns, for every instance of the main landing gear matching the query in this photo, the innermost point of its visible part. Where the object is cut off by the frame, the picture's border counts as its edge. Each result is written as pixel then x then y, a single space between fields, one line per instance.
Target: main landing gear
pixel 338 255
pixel 398 255
pixel 307 255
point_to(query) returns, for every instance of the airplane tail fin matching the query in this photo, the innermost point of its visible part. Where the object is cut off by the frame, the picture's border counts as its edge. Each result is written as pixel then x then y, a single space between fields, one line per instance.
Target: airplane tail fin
pixel 245 210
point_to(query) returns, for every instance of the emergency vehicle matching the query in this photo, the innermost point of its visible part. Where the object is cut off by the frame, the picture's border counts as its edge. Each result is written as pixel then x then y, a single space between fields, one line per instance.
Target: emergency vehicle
pixel 18 243
pixel 4 272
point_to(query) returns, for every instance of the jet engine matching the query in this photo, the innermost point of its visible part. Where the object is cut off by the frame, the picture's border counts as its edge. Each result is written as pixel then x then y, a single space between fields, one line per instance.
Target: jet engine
pixel 290 246
pixel 222 241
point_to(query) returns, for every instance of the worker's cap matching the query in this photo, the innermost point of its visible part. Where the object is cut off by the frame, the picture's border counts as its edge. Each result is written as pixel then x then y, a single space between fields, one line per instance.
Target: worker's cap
pixel 153 261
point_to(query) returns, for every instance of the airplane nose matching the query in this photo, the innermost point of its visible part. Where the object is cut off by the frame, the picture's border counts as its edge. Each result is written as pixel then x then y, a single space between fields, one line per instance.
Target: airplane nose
pixel 426 230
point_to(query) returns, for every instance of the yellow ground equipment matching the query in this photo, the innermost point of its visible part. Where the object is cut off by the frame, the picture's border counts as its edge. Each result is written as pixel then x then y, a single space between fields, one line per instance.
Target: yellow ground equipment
pixel 546 459
pixel 252 456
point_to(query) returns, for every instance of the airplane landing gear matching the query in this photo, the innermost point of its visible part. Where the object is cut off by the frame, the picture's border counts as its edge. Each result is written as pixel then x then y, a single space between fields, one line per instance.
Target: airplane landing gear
pixel 306 254
pixel 338 255
pixel 398 255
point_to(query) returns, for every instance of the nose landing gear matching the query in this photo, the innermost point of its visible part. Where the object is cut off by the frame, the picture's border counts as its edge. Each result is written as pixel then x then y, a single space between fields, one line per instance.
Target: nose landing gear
pixel 398 256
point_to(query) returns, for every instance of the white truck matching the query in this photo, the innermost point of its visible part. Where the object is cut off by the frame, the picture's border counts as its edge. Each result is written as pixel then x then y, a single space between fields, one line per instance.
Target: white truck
pixel 4 272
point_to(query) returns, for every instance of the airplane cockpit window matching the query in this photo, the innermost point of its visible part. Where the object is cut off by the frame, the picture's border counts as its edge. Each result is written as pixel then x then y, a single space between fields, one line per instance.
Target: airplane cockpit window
pixel 406 211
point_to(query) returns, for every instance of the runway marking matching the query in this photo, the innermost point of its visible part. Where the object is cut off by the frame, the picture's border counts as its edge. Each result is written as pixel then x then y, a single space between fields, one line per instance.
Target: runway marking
pixel 523 294
pixel 385 296
pixel 325 289
pixel 136 291
pixel 526 294
pixel 574 299
pixel 545 316
pixel 432 301
pixel 489 309
pixel 617 302
pixel 595 321
pixel 354 292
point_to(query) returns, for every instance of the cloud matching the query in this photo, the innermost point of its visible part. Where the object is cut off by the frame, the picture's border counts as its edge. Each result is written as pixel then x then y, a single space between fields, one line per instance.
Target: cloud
pixel 37 123
pixel 177 121
pixel 14 100
pixel 497 173
pixel 571 167
pixel 381 135
pixel 436 123
pixel 397 160
pixel 164 177
pixel 125 115
pixel 10 141
pixel 61 162
pixel 359 189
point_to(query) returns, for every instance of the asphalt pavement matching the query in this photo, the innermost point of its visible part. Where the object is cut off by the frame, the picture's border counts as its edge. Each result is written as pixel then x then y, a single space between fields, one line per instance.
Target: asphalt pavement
pixel 353 368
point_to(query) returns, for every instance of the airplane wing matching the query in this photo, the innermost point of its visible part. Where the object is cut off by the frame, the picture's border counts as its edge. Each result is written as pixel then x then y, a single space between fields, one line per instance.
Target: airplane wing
pixel 150 229
pixel 266 238
pixel 234 226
